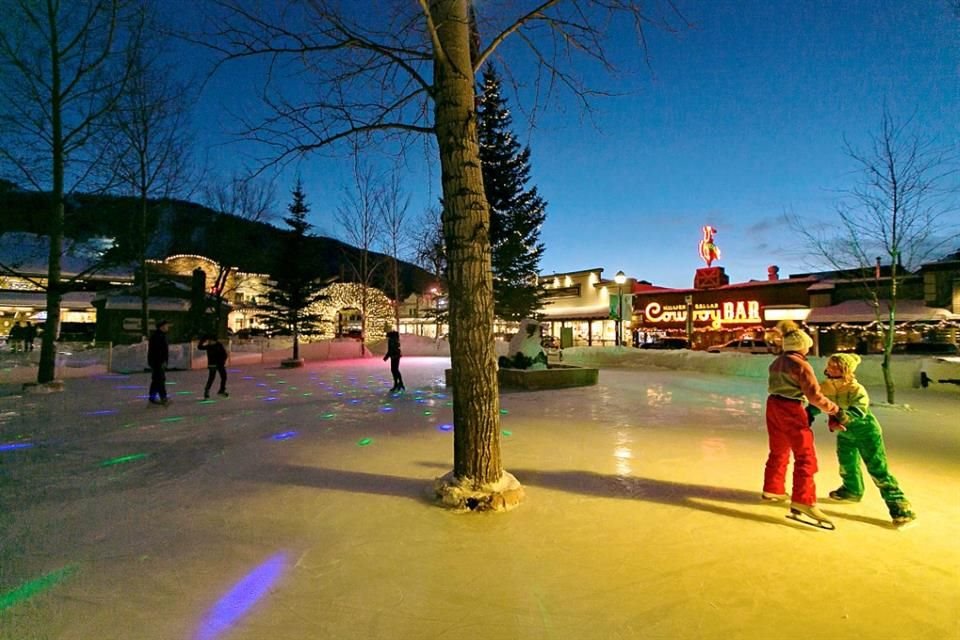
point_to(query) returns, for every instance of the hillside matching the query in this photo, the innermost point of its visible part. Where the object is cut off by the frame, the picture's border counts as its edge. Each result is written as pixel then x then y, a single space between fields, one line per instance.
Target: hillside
pixel 182 227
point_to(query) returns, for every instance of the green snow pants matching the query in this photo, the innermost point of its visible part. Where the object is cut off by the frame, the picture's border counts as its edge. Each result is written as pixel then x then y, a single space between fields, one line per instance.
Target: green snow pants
pixel 864 439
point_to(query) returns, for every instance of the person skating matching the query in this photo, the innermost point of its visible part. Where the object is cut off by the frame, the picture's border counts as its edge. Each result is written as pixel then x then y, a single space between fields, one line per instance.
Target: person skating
pixel 791 385
pixel 394 355
pixel 862 438
pixel 158 353
pixel 216 363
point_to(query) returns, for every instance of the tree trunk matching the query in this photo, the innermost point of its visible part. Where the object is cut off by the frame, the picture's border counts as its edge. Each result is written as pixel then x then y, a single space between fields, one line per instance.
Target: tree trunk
pixel 466 220
pixel 144 283
pixel 46 372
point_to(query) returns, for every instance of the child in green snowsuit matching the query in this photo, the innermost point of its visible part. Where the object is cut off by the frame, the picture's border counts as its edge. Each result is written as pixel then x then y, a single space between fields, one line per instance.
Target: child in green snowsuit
pixel 863 438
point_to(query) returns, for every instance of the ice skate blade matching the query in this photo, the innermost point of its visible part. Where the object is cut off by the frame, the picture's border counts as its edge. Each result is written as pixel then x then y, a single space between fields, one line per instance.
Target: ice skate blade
pixel 810 522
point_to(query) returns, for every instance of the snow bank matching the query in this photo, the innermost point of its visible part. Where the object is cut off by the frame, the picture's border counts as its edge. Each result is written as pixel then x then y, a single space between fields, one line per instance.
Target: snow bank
pixel 906 369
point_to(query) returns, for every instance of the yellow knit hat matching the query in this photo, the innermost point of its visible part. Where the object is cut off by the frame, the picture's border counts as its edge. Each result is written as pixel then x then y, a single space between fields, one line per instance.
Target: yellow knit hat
pixel 794 338
pixel 848 361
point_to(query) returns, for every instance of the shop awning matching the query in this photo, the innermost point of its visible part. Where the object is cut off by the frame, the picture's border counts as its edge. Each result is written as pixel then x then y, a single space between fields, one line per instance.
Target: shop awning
pixel 863 311
pixel 130 303
pixel 75 300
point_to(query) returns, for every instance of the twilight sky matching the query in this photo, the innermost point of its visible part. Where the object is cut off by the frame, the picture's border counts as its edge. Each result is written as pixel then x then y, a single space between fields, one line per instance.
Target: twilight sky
pixel 736 121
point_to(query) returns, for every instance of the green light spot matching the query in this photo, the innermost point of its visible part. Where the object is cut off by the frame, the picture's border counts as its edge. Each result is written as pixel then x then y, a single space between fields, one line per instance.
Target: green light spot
pixel 507 433
pixel 328 416
pixel 123 459
pixel 184 393
pixel 32 588
pixel 428 413
pixel 503 412
pixel 207 402
pixel 308 393
pixel 173 419
pixel 364 441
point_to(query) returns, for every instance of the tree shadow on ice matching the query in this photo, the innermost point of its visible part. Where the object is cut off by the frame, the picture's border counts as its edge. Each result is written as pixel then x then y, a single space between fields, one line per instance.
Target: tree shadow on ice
pixel 693 496
pixel 419 489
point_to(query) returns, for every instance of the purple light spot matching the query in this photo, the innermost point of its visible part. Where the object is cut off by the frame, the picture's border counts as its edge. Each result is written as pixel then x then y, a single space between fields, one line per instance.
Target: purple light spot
pixel 445 427
pixel 240 599
pixel 355 401
pixel 286 435
pixel 270 398
pixel 386 409
pixel 130 386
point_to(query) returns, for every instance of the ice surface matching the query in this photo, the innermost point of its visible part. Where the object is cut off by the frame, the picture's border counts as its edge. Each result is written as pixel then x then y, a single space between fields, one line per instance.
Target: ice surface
pixel 296 509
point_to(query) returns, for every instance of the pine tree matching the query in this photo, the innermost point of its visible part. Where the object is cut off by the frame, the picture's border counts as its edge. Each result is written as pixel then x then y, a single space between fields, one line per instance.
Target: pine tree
pixel 516 212
pixel 289 302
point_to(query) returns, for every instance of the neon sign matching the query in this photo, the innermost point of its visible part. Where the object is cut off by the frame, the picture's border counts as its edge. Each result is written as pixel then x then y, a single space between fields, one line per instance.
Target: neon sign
pixel 709 250
pixel 713 313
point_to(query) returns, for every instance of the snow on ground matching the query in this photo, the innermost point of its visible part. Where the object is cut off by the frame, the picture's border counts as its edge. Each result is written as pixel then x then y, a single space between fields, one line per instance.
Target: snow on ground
pixel 296 508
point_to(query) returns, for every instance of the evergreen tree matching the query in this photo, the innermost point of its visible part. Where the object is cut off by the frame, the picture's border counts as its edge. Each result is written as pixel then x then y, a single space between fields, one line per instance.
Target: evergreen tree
pixel 297 288
pixel 516 212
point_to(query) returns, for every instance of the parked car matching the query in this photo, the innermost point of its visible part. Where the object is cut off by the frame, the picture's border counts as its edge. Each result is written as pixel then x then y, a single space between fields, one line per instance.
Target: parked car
pixel 927 348
pixel 667 343
pixel 743 345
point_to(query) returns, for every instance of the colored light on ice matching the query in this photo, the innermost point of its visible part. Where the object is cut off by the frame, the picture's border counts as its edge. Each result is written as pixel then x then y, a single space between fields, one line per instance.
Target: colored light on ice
pixel 32 588
pixel 364 441
pixel 386 409
pixel 102 412
pixel 504 412
pixel 507 433
pixel 328 416
pixel 428 413
pixel 11 446
pixel 286 435
pixel 124 459
pixel 445 427
pixel 237 602
pixel 172 419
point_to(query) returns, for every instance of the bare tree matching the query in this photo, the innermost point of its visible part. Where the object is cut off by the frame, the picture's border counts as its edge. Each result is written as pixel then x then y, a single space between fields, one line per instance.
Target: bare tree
pixel 243 195
pixel 359 216
pixel 409 68
pixel 902 207
pixel 64 66
pixel 153 146
pixel 393 206
pixel 430 253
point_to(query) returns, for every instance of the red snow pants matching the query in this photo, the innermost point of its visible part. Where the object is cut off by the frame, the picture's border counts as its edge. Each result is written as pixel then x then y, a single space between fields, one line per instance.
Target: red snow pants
pixel 789 432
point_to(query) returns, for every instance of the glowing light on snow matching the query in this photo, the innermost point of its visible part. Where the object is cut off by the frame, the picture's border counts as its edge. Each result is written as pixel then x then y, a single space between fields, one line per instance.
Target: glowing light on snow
pixel 29 589
pixel 133 457
pixel 241 598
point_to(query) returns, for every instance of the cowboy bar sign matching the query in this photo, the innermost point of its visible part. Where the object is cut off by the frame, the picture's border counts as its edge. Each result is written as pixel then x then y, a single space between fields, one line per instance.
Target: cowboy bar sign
pixel 713 313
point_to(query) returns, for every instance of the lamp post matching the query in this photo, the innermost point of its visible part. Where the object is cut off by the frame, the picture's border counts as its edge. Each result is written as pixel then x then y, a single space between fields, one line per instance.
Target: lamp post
pixel 620 278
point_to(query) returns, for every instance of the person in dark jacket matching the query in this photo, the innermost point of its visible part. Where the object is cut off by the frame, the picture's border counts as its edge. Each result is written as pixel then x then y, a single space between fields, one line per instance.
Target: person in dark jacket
pixel 216 363
pixel 393 353
pixel 158 353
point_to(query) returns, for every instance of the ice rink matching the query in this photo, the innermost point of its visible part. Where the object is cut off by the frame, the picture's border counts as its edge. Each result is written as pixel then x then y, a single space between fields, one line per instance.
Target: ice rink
pixel 298 508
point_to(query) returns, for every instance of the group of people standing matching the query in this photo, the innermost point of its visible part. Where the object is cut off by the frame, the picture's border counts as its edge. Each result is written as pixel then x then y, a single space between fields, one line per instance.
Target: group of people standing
pixel 795 398
pixel 22 335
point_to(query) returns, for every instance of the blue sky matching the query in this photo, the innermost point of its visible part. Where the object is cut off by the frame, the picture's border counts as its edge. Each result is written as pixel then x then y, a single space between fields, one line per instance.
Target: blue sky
pixel 735 122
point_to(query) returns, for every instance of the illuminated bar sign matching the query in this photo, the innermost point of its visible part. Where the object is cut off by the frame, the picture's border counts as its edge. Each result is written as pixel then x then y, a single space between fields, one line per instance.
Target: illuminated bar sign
pixel 713 313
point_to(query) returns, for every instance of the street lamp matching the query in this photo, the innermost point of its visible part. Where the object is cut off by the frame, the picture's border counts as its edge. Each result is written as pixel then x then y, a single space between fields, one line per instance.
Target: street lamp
pixel 620 278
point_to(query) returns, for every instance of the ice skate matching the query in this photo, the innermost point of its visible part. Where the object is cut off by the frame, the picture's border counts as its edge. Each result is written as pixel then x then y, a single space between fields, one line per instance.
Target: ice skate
pixel 774 497
pixel 811 515
pixel 842 495
pixel 902 516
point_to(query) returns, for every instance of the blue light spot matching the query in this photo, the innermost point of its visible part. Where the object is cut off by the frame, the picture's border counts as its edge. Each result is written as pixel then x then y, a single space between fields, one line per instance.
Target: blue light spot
pixel 386 409
pixel 240 599
pixel 286 435
pixel 445 427
pixel 15 445
pixel 102 412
